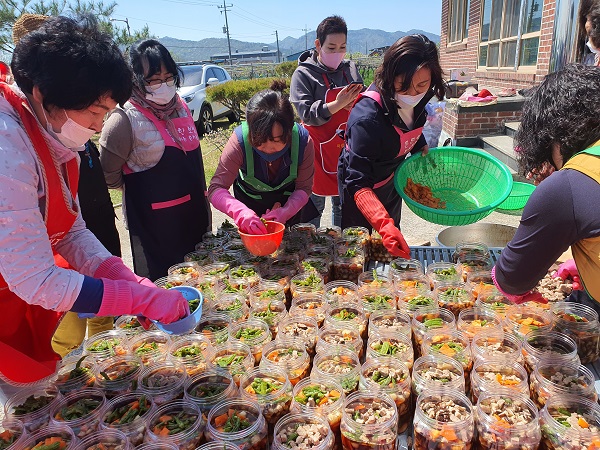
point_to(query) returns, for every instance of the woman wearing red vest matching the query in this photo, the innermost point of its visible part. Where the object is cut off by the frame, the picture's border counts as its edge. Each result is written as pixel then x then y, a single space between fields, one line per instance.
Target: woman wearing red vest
pixel 69 75
pixel 385 124
pixel 558 144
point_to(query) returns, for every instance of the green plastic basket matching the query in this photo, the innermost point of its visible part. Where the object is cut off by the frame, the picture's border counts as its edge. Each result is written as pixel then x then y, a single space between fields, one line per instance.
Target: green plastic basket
pixel 471 182
pixel 518 196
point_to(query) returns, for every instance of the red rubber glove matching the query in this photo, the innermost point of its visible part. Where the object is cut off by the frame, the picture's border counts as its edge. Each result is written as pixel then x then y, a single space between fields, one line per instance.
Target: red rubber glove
pixel 568 269
pixel 127 297
pixel 374 211
pixel 244 217
pixel 519 299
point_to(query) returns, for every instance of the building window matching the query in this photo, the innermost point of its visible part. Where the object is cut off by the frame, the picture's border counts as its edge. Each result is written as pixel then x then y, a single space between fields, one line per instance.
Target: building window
pixel 458 20
pixel 510 33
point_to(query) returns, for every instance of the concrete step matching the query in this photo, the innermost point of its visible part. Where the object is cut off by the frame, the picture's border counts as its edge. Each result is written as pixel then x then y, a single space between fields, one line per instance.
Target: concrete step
pixel 501 147
pixel 510 128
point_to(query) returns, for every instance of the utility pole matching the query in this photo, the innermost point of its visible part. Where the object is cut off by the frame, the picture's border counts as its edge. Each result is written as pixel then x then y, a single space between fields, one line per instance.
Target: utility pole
pixel 277 37
pixel 126 21
pixel 226 28
pixel 305 29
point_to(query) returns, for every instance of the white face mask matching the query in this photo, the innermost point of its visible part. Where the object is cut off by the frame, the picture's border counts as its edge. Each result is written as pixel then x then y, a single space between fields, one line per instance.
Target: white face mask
pixel 71 135
pixel 409 100
pixel 591 47
pixel 161 94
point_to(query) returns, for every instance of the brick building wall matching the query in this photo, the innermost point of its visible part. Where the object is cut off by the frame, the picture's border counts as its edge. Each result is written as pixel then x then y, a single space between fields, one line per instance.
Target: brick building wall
pixel 465 54
pixel 462 123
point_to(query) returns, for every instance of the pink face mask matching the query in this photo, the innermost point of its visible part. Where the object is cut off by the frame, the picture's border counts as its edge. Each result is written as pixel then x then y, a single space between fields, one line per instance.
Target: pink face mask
pixel 331 60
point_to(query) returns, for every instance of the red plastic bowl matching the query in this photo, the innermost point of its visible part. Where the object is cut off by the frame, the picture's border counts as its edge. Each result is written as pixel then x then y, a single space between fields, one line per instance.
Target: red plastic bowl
pixel 264 244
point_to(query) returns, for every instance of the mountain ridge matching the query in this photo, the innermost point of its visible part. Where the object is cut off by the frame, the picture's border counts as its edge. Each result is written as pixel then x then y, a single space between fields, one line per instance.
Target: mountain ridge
pixel 358 41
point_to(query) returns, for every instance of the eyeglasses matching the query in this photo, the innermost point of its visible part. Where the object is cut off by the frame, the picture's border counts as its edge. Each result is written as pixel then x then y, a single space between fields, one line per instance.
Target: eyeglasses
pixel 170 81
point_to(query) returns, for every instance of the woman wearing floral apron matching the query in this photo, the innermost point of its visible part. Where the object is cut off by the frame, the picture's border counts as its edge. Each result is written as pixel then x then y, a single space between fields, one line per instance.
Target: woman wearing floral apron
pixel 386 124
pixel 150 148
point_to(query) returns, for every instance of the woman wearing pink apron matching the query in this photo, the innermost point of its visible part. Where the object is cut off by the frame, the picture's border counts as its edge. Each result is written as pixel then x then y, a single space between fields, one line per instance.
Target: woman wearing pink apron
pixel 323 89
pixel 151 149
pixel 386 124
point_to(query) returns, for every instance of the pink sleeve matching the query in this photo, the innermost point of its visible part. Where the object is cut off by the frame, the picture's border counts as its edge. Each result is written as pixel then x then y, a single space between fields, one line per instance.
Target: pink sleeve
pixel 229 165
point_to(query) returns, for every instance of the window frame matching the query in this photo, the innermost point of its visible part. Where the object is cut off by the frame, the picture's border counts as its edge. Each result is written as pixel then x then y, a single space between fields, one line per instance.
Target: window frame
pixel 463 32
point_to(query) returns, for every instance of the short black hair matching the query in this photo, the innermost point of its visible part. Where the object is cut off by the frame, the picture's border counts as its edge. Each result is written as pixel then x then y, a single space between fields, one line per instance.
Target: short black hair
pixel 594 17
pixel 331 25
pixel 154 53
pixel 72 63
pixel 562 110
pixel 404 57
pixel 266 108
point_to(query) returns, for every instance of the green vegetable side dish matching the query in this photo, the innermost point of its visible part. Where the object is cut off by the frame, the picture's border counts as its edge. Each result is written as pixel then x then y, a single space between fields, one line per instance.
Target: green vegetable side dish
pixel 78 371
pixel 235 423
pixel 236 304
pixel 386 381
pixel 240 272
pixel 81 408
pixel 350 253
pixel 377 299
pixel 310 392
pixel 268 294
pixel 32 404
pixel 388 349
pixel 247 334
pixel 344 314
pixel 457 347
pixel 189 351
pixel 229 360
pixel 175 424
pixel 421 300
pixel 223 269
pixel 7 438
pixel 438 322
pixel 230 289
pixel 267 315
pixel 194 304
pixel 313 265
pixel 312 281
pixel 104 345
pixel 227 225
pixel 146 347
pixel 447 272
pixel 129 412
pixel 264 385
pixel 207 390
pixel 454 294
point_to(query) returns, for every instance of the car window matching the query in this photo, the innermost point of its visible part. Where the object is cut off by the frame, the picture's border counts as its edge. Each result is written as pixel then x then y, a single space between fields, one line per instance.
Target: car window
pixel 210 73
pixel 220 74
pixel 192 75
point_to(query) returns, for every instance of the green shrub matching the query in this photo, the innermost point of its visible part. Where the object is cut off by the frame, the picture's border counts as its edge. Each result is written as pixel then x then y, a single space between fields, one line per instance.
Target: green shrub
pixel 236 93
pixel 286 68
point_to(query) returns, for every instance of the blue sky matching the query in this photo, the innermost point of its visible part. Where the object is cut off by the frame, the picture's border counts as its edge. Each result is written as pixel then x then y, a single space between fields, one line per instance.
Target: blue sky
pixel 257 20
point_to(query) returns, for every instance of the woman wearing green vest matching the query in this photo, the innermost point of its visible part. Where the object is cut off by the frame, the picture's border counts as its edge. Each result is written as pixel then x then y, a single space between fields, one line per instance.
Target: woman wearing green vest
pixel 269 162
pixel 558 144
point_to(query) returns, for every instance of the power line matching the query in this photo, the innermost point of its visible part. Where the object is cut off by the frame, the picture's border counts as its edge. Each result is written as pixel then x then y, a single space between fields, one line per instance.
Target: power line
pixel 267 21
pixel 169 25
pixel 226 28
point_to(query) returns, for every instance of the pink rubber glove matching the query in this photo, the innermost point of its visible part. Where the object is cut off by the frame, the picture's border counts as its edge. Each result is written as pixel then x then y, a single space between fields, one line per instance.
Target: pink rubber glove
pixel 127 297
pixel 568 269
pixel 519 299
pixel 113 268
pixel 371 207
pixel 294 204
pixel 244 217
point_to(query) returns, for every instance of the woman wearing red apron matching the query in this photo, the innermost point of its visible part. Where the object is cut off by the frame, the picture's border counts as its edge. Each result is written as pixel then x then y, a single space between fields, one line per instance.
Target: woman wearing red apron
pixel 151 149
pixel 50 262
pixel 323 89
pixel 386 124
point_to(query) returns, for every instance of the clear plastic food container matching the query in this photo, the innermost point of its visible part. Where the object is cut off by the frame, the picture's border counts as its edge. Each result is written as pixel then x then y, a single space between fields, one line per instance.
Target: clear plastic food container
pixel 191 351
pixel 443 420
pixel 347 314
pixel 281 277
pixel 496 376
pixel 306 283
pixel 411 304
pixel 428 319
pixel 551 379
pixel 266 292
pixel 238 422
pixel 341 291
pixel 492 299
pixel 75 373
pixel 129 325
pixel 118 375
pixel 373 279
pixel 210 287
pixel 270 388
pixel 322 266
pixel 304 328
pixel 189 271
pixel 521 320
pixel 306 229
pixel 127 414
pixel 150 346
pixel 383 321
pixel 330 230
pixel 323 398
pixel 497 345
pixel 392 377
pixel 12 434
pixel 378 252
pixel 451 343
pixel 218 270
pixel 542 346
pixel 346 335
pixel 437 371
pixel 455 297
pixel 311 305
pixel 200 257
pixel 507 421
pixel 302 432
pixel 400 265
pixel 55 436
pixel 580 323
pixel 207 389
pixel 339 363
pixel 394 345
pixel 170 281
pixel 157 446
pixel 270 311
pixel 233 306
pixel 570 423
pixel 475 320
pixel 254 333
pixel 471 249
pixel 444 272
pixel 370 420
pixel 179 422
pixel 375 299
pixel 214 327
pixel 357 235
pixel 32 405
pixel 348 263
pixel 244 275
pixel 163 381
pixel 288 354
pixel 410 284
pixel 106 344
pixel 472 264
pixel 105 440
pixel 234 357
pixel 218 446
pixel 81 411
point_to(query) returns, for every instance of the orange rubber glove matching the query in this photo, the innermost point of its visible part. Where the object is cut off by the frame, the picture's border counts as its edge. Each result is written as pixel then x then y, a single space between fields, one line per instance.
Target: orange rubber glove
pixel 374 211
